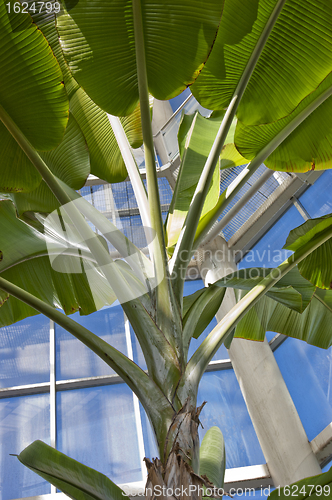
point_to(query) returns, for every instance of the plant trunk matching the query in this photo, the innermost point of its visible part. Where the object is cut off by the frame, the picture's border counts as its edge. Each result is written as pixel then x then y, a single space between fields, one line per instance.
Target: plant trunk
pixel 176 476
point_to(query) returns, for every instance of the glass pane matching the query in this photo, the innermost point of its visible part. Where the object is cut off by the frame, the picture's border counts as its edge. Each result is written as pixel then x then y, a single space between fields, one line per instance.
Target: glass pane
pixel 261 195
pixel 268 251
pixel 307 371
pixel 74 359
pixel 226 408
pixel 98 198
pixel 327 466
pixel 317 200
pixel 24 351
pixel 22 420
pixel 132 228
pixel 97 427
pixel 150 445
pixel 121 195
pixel 165 191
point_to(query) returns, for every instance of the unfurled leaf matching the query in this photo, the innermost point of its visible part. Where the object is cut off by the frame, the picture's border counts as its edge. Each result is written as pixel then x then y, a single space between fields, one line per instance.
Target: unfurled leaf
pixel 230 157
pixel 105 158
pixel 212 457
pixel 31 86
pixel 26 263
pixel 308 147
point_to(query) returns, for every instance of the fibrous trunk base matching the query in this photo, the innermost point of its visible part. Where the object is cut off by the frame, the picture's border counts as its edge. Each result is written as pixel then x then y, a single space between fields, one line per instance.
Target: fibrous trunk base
pixel 176 479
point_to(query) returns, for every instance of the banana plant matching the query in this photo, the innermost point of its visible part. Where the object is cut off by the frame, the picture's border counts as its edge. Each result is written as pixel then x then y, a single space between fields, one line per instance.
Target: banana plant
pixel 75 84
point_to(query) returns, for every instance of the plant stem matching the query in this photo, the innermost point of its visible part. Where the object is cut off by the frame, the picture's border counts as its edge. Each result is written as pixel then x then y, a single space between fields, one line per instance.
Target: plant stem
pixel 205 352
pixel 167 310
pixel 150 165
pixel 132 169
pixel 187 235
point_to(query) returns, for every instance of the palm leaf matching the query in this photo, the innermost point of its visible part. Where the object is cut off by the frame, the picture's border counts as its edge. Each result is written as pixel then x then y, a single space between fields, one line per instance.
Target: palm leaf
pixel 295 60
pixel 32 95
pixel 69 162
pixel 98 43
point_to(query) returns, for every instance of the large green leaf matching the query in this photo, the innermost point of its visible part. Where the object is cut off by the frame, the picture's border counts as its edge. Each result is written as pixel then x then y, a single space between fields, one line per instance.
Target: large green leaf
pixel 33 95
pixel 212 457
pixel 294 61
pixel 196 136
pixel 69 162
pixel 314 325
pixel 313 488
pixel 97 38
pixel 292 290
pixel 105 158
pixel 317 266
pixel 309 147
pixel 25 262
pixel 293 307
pixel 73 478
pixel 31 86
pixel 229 156
pixel 283 84
pixel 17 174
